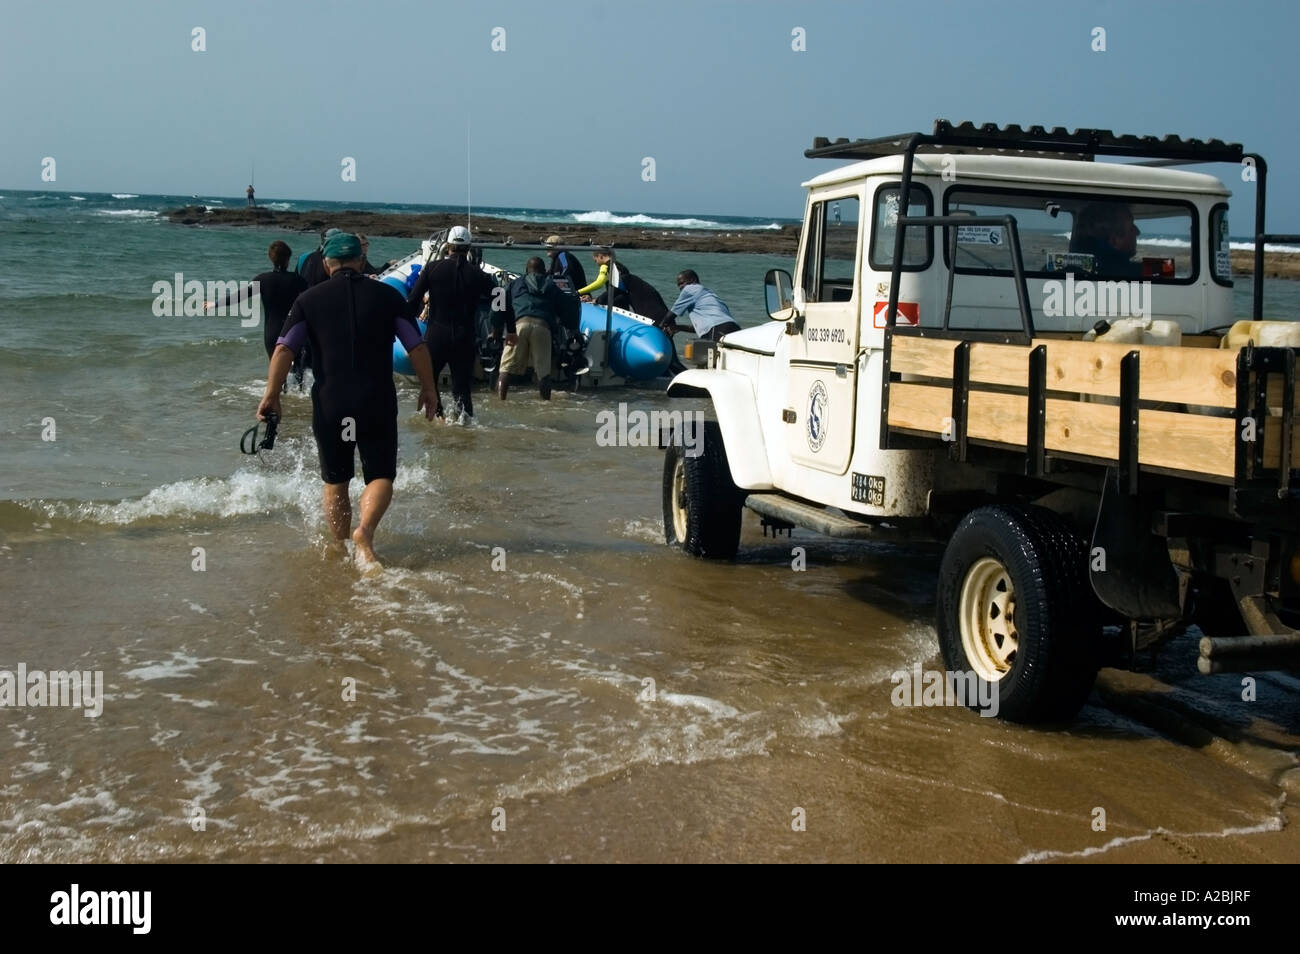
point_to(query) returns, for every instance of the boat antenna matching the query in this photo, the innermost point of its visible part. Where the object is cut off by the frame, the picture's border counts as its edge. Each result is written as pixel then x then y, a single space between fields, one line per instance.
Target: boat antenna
pixel 469 205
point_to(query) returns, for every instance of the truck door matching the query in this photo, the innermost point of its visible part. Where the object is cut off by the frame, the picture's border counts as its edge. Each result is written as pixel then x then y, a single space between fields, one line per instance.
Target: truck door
pixel 822 378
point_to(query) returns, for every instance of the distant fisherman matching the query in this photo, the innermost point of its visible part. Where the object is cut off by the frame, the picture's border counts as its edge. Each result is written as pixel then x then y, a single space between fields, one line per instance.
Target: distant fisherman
pixel 455 286
pixel 279 289
pixel 351 322
pixel 710 317
pixel 566 270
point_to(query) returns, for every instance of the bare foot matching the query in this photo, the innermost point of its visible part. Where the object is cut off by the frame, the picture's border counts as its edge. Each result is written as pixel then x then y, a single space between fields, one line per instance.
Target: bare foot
pixel 334 550
pixel 364 553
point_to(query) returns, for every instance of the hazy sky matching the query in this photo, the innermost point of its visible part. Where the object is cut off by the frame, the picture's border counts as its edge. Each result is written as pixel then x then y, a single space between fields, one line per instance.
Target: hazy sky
pixel 583 92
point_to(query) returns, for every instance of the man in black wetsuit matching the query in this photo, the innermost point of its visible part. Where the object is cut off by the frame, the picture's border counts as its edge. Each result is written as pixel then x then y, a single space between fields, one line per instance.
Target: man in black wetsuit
pixel 312 266
pixel 351 322
pixel 455 286
pixel 312 269
pixel 278 290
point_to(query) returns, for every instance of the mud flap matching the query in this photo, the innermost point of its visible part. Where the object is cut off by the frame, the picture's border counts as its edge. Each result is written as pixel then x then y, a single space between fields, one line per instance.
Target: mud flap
pixel 1128 565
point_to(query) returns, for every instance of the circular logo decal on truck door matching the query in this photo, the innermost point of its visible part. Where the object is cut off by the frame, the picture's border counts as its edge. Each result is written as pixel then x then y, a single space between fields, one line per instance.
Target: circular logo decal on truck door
pixel 818 401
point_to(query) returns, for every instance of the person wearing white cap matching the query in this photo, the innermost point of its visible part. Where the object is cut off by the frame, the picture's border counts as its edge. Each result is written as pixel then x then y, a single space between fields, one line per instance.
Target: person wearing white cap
pixel 455 286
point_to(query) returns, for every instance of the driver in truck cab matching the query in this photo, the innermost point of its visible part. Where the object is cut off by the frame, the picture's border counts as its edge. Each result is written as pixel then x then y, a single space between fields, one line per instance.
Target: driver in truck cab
pixel 1107 232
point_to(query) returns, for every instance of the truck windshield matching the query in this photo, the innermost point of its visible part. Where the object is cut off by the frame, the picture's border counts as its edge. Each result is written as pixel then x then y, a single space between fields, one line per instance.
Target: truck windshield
pixel 1096 236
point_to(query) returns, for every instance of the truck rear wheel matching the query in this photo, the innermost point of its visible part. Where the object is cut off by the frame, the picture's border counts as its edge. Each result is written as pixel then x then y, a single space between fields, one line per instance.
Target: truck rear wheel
pixel 702 507
pixel 1016 608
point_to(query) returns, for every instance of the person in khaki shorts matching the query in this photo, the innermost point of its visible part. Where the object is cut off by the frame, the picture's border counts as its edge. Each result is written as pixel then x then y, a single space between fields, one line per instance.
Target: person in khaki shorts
pixel 532 299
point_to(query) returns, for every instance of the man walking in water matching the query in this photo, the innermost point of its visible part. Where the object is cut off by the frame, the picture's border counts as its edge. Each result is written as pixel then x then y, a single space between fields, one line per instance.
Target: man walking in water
pixel 351 322
pixel 455 286
pixel 251 204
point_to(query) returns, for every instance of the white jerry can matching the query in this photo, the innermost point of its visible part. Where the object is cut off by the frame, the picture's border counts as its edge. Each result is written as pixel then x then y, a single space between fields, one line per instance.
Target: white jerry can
pixel 1148 331
pixel 1263 334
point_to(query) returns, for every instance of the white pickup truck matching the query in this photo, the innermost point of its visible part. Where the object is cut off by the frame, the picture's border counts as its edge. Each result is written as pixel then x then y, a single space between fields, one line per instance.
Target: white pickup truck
pixel 993 339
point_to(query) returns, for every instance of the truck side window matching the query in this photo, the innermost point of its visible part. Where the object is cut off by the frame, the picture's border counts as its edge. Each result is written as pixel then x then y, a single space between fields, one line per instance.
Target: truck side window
pixel 831 250
pixel 812 253
pixel 1220 246
pixel 916 248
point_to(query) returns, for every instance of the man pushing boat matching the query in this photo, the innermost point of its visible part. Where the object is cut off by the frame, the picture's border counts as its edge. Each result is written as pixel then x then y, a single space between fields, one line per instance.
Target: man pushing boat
pixel 350 323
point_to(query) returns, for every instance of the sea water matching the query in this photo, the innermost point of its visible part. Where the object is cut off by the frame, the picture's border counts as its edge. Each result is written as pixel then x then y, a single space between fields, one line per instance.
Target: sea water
pixel 534 675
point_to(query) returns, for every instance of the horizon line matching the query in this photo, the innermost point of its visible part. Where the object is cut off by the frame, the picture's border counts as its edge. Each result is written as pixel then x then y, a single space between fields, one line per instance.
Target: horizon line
pixel 241 197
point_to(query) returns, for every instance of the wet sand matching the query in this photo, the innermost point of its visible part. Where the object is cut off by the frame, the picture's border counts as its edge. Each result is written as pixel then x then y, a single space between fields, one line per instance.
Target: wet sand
pixel 519 692
pixel 518 686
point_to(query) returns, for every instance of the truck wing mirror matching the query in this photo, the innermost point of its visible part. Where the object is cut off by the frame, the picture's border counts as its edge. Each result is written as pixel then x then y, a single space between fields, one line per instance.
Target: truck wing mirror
pixel 778 289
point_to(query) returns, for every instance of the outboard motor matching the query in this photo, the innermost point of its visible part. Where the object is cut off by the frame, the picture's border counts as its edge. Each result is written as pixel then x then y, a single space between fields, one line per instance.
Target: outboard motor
pixel 571 355
pixel 489 348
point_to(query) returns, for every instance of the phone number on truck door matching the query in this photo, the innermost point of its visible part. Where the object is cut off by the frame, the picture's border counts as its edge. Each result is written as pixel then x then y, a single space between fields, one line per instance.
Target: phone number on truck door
pixel 834 335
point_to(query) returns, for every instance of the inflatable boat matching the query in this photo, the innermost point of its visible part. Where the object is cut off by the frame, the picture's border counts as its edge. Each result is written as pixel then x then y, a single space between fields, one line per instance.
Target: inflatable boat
pixel 621 346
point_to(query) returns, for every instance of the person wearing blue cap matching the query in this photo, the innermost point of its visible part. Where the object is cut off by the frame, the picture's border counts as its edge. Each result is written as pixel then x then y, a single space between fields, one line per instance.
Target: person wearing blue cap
pixel 350 322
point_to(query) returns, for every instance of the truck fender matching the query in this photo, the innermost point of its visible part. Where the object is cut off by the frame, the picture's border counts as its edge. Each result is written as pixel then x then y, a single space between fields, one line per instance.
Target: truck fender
pixel 736 407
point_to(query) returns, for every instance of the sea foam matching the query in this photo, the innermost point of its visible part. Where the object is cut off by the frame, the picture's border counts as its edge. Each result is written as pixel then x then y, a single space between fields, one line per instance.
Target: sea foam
pixel 604 217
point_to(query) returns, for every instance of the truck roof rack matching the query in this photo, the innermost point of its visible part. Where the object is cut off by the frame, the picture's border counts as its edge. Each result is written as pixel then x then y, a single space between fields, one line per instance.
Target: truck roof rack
pixel 1037 141
pixel 1058 143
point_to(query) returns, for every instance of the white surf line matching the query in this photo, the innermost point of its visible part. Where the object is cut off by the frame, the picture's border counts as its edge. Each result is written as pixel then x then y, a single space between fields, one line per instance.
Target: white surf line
pixel 987 793
pixel 1274 824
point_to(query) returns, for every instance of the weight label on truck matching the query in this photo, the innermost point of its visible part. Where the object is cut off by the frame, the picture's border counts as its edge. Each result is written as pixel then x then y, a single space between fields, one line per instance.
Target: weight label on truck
pixel 869 490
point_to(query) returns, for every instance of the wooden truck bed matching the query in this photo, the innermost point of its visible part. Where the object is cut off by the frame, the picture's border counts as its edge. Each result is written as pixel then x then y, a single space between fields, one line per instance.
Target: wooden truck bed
pixel 1188 404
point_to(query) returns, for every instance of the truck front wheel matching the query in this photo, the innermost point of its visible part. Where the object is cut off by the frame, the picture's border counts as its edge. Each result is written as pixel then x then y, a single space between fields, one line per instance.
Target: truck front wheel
pixel 1016 608
pixel 702 507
